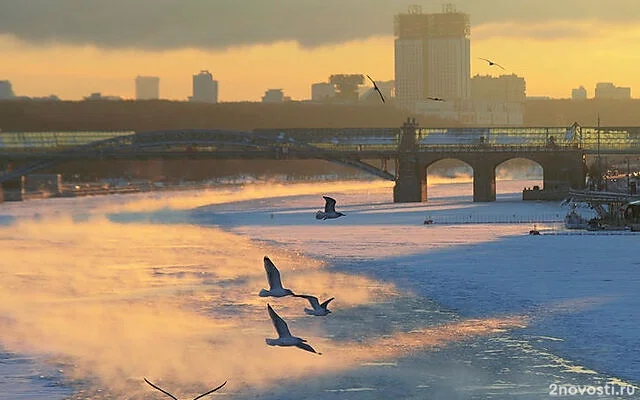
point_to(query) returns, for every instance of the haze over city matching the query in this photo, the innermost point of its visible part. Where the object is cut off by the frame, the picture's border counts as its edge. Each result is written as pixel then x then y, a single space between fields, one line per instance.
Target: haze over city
pixel 72 48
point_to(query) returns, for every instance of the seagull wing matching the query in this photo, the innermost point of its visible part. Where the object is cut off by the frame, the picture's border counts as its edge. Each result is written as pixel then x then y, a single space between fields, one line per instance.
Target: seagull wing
pixel 380 93
pixel 313 300
pixel 306 347
pixel 163 391
pixel 372 81
pixel 210 391
pixel 376 88
pixel 329 205
pixel 273 275
pixel 489 61
pixel 326 303
pixel 499 66
pixel 278 323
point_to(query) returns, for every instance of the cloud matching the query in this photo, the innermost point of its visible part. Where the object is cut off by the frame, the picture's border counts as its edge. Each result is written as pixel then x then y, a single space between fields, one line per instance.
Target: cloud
pixel 545 31
pixel 218 24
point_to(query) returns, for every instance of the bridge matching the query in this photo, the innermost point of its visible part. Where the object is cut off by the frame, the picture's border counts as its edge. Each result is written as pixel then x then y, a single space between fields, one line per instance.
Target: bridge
pixel 560 151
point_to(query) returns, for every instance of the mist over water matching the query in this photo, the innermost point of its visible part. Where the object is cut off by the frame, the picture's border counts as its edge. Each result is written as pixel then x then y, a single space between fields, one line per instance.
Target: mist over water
pixel 177 305
pixel 110 303
pixel 113 289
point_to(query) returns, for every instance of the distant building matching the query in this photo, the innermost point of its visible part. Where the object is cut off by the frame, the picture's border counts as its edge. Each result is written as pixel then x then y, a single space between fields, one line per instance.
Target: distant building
pixel 99 96
pixel 205 88
pixel 504 89
pixel 371 96
pixel 322 91
pixel 492 113
pixel 274 96
pixel 432 56
pixel 6 91
pixel 474 112
pixel 346 87
pixel 607 90
pixel 51 97
pixel 579 93
pixel 147 88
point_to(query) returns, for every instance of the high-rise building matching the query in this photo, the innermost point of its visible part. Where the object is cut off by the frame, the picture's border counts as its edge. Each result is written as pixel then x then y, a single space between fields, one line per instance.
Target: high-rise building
pixel 502 89
pixel 205 88
pixel 579 93
pixel 147 88
pixel 274 96
pixel 432 56
pixel 6 91
pixel 607 90
pixel 322 91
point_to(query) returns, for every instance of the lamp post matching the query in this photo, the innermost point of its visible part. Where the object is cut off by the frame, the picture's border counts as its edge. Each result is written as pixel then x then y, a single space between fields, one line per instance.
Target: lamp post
pixel 599 164
pixel 628 177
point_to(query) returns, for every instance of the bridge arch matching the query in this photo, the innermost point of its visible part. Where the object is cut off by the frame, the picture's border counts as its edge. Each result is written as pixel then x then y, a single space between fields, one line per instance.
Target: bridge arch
pixel 448 169
pixel 514 172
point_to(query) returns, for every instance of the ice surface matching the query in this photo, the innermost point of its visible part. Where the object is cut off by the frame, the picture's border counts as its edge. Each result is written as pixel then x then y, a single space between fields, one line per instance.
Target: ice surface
pixel 99 292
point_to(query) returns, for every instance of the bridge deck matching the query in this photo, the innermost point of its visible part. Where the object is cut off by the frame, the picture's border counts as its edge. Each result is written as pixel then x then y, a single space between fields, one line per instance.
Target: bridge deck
pixel 608 140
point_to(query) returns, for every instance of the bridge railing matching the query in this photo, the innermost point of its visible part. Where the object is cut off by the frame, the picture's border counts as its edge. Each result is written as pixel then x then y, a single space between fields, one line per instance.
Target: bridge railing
pixel 498 136
pixel 39 141
pixel 611 139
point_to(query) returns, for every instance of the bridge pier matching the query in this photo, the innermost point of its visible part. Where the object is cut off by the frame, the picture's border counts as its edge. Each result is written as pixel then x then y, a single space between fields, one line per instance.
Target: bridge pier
pixel 563 173
pixel 12 190
pixel 411 181
pixel 484 181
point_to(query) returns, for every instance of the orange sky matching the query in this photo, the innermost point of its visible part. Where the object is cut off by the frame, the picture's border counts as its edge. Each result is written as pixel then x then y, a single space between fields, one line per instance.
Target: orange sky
pixel 551 67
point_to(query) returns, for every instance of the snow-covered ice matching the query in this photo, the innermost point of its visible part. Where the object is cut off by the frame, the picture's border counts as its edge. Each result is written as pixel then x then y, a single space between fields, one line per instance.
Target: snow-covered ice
pixel 99 292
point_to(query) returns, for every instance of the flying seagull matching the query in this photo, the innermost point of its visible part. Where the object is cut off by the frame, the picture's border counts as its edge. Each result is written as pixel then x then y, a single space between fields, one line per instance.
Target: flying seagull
pixel 329 209
pixel 491 63
pixel 275 284
pixel 375 87
pixel 284 336
pixel 319 310
pixel 175 398
pixel 435 98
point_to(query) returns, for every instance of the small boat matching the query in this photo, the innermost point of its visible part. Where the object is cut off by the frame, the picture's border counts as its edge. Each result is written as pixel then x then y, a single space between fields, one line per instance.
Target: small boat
pixel 573 220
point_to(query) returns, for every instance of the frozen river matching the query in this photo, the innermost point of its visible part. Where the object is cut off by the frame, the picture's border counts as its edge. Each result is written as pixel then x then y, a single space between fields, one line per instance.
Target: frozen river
pixel 98 293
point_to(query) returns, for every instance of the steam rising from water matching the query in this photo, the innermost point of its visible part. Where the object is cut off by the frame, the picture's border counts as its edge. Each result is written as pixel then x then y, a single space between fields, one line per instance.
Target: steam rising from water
pixel 178 304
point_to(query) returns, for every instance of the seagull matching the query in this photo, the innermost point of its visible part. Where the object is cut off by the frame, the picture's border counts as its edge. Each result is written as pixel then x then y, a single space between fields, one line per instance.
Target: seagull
pixel 284 336
pixel 275 284
pixel 329 209
pixel 175 398
pixel 435 99
pixel 375 87
pixel 319 310
pixel 491 63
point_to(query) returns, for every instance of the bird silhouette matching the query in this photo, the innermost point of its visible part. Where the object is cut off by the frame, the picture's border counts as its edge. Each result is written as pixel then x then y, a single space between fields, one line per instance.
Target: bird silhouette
pixel 491 63
pixel 175 398
pixel 318 309
pixel 329 209
pixel 435 99
pixel 275 283
pixel 284 335
pixel 375 87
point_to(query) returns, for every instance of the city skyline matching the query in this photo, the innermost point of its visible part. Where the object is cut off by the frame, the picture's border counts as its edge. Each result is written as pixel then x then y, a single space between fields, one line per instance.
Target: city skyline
pixel 555 55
